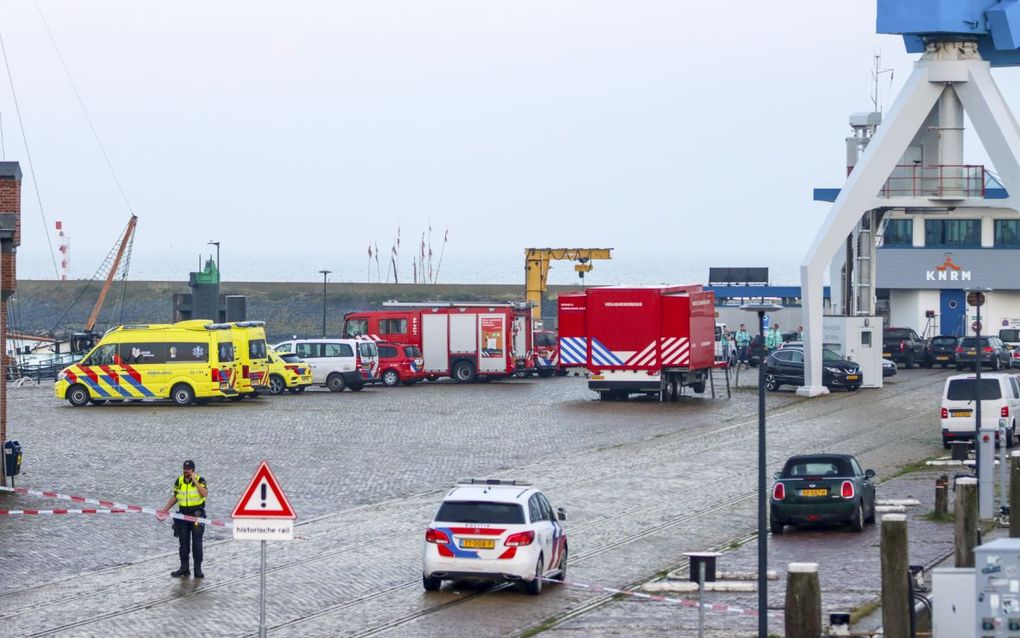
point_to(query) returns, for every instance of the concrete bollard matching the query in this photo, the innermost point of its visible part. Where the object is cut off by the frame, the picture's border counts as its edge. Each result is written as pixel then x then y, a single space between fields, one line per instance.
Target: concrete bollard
pixel 966 527
pixel 941 496
pixel 803 601
pixel 1014 494
pixel 895 572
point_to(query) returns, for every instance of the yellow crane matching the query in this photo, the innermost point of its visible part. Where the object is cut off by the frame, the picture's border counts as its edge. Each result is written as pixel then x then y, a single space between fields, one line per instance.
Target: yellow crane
pixel 536 268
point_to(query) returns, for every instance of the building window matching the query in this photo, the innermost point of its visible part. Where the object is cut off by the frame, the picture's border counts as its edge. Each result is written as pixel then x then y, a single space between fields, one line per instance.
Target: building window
pixel 898 232
pixel 952 233
pixel 1007 233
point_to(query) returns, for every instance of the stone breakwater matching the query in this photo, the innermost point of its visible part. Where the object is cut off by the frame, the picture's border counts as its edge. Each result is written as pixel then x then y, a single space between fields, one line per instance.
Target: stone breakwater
pixel 45 307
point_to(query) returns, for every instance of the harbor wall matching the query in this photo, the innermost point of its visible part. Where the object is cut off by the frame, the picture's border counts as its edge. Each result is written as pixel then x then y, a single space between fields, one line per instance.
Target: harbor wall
pixel 56 308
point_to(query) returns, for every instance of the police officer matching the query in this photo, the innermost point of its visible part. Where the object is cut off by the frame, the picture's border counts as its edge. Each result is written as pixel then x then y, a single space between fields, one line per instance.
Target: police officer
pixel 189 494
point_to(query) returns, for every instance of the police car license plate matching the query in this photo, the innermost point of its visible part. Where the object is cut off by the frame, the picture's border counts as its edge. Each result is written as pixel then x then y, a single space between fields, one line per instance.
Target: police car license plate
pixel 478 543
pixel 959 412
pixel 815 492
pixel 851 377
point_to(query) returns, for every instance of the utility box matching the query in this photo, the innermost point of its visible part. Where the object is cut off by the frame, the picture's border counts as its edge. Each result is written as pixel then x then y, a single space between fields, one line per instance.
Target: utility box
pixel 997 591
pixel 12 458
pixel 859 339
pixel 952 601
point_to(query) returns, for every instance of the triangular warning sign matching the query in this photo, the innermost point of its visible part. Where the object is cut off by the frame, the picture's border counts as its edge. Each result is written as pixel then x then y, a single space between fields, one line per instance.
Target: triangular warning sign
pixel 263 497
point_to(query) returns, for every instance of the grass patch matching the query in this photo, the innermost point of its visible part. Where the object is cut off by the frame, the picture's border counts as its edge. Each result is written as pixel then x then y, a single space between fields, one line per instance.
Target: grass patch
pixel 916 466
pixel 864 610
pixel 948 517
pixel 537 629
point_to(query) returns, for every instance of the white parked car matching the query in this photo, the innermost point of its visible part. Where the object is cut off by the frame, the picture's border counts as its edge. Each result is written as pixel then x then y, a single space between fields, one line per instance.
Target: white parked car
pixel 1000 404
pixel 493 530
pixel 337 363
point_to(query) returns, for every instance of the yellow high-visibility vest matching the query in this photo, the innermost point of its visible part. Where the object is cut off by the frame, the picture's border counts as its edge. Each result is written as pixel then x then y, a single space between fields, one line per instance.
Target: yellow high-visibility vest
pixel 187 493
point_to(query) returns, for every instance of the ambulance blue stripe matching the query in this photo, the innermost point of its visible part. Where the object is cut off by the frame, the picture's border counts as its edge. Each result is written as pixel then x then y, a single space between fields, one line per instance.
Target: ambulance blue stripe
pixel 138 386
pixel 603 355
pixel 571 351
pixel 116 386
pixel 94 386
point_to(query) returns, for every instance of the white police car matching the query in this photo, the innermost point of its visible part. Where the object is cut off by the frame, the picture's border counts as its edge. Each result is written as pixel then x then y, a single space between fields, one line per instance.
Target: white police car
pixel 494 530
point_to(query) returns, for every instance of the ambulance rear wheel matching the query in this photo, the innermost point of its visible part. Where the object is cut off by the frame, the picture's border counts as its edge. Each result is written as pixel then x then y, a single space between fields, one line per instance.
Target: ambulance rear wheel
pixel 390 378
pixel 276 384
pixel 464 372
pixel 182 394
pixel 77 395
pixel 335 382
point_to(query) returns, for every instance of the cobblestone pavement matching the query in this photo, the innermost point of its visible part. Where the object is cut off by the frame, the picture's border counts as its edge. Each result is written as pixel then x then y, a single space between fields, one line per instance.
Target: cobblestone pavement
pixel 642 482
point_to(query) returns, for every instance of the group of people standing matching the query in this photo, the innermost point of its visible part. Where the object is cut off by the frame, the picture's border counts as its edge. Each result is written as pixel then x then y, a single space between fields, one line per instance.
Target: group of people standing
pixel 742 340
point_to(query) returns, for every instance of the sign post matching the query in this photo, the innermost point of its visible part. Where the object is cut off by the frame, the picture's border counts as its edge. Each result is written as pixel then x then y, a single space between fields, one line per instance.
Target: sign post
pixel 984 439
pixel 265 515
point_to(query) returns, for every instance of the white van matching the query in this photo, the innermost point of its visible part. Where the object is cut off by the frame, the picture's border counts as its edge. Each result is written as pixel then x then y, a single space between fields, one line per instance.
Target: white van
pixel 337 363
pixel 1000 404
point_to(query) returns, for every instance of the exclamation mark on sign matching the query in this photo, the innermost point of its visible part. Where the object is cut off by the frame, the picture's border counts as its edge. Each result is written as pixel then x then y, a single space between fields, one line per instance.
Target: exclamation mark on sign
pixel 263 495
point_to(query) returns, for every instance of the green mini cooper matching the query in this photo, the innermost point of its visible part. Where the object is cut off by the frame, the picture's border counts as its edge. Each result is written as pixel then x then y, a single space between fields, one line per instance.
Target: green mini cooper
pixel 822 488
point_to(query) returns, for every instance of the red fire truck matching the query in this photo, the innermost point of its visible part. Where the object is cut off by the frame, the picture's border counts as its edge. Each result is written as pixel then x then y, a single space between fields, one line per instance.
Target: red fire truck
pixel 648 340
pixel 467 341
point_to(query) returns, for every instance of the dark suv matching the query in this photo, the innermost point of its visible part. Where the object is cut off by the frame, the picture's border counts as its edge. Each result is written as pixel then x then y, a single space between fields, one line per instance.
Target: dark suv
pixel 902 345
pixel 991 352
pixel 941 351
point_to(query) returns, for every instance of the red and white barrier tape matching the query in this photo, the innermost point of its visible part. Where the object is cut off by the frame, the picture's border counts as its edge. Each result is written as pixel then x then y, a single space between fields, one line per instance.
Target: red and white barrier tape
pixel 716 607
pixel 114 505
pixel 34 512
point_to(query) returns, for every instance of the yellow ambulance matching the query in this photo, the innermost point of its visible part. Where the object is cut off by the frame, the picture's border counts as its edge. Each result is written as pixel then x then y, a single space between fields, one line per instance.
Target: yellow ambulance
pixel 186 362
pixel 251 362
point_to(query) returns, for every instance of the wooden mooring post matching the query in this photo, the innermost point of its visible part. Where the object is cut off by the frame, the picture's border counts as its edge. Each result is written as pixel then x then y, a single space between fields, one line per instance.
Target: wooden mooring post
pixel 966 525
pixel 941 496
pixel 895 572
pixel 803 616
pixel 1014 494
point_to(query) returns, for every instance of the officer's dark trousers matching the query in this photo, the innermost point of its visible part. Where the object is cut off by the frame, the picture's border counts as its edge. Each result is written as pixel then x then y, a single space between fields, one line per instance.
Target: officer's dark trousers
pixel 189 536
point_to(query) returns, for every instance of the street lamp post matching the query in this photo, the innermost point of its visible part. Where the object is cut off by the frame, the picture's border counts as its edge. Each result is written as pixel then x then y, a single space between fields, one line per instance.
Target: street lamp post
pixel 763 557
pixel 324 273
pixel 217 244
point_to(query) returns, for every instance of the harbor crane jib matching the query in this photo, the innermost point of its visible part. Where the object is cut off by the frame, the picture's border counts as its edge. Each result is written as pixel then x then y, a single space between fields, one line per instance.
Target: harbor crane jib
pixel 960 43
pixel 536 268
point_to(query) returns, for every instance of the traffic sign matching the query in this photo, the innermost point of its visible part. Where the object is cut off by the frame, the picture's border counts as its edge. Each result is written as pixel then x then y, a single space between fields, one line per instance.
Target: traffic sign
pixel 975 298
pixel 976 326
pixel 263 497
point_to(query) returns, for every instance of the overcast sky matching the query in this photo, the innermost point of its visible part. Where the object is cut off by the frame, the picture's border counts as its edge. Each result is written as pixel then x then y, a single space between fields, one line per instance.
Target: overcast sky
pixel 678 133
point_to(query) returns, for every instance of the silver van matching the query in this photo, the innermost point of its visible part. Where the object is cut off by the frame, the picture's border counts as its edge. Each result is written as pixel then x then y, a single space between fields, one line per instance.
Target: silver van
pixel 337 363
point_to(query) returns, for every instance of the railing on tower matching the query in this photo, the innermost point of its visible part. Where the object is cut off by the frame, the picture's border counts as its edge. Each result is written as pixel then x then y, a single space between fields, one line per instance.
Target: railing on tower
pixel 941 181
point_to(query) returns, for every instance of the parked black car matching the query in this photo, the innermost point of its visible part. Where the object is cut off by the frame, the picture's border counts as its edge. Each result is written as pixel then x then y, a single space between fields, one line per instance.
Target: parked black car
pixel 991 352
pixel 941 351
pixel 756 350
pixel 902 345
pixel 786 367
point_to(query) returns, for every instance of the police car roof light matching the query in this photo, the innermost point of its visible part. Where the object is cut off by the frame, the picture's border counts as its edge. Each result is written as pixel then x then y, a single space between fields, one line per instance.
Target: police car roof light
pixel 490 481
